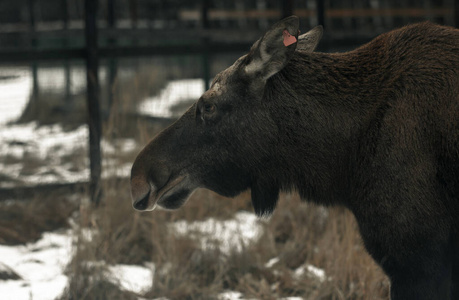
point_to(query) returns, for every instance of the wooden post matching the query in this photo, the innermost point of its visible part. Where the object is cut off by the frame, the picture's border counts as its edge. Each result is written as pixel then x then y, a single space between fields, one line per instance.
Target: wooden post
pixel 456 13
pixel 205 43
pixel 65 13
pixel 205 14
pixel 287 8
pixel 31 4
pixel 320 6
pixel 92 84
pixel 65 19
pixel 112 63
pixel 34 44
pixel 111 13
pixel 133 13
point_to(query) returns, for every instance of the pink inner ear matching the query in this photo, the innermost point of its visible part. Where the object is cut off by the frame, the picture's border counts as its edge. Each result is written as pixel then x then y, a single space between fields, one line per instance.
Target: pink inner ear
pixel 288 38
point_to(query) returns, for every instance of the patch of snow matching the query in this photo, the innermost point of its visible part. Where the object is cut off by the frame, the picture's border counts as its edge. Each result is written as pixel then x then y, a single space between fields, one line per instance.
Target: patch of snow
pixel 15 93
pixel 228 235
pixel 176 91
pixel 310 271
pixel 44 290
pixel 53 78
pixel 49 146
pixel 137 279
pixel 40 266
pixel 16 87
pixel 230 295
pixel 272 262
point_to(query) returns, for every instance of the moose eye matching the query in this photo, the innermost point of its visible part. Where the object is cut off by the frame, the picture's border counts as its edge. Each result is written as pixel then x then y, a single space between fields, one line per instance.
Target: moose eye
pixel 209 108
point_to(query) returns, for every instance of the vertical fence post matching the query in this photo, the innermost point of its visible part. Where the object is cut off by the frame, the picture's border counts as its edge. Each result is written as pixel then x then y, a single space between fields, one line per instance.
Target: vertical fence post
pixel 320 6
pixel 133 13
pixel 92 83
pixel 456 13
pixel 205 42
pixel 287 8
pixel 111 13
pixel 65 19
pixel 112 63
pixel 34 44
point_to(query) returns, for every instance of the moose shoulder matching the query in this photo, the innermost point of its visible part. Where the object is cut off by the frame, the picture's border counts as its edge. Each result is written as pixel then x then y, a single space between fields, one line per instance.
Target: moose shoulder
pixel 375 129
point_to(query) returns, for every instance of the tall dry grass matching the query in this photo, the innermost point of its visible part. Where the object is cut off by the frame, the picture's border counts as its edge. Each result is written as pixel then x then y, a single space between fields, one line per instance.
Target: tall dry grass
pixel 298 233
pixel 24 221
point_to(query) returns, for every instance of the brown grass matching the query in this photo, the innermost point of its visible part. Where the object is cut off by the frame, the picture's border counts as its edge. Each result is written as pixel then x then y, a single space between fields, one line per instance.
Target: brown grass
pixel 298 233
pixel 88 282
pixel 25 221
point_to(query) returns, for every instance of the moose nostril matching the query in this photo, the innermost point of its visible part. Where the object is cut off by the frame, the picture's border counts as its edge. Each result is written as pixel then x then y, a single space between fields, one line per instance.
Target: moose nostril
pixel 142 203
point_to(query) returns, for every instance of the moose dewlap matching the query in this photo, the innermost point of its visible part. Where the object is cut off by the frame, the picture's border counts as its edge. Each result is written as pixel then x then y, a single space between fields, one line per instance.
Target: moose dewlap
pixel 375 129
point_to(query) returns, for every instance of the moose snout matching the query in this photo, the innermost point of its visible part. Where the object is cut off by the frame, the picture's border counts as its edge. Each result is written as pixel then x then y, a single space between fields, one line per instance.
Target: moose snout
pixel 141 194
pixel 141 203
pixel 147 173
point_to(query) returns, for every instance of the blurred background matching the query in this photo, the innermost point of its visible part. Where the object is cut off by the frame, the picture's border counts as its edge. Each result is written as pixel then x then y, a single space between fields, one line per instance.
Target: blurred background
pixel 85 84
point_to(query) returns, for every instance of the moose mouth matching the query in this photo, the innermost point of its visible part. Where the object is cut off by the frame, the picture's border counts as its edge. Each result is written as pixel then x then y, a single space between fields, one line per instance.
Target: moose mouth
pixel 170 196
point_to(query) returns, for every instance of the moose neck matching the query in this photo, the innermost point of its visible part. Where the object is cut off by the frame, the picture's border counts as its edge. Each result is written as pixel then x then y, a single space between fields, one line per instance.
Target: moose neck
pixel 322 105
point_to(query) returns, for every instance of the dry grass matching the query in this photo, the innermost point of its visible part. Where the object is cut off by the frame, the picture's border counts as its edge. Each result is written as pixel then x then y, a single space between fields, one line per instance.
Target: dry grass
pixel 297 233
pixel 88 282
pixel 25 221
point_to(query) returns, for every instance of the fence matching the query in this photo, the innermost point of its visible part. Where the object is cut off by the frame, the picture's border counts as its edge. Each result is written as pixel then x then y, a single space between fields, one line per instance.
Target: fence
pixel 111 29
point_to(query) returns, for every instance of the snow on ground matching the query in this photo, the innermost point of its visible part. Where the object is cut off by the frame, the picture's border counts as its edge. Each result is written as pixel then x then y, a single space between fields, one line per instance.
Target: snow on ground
pixel 41 265
pixel 53 145
pixel 137 279
pixel 311 272
pixel 229 235
pixel 53 78
pixel 15 91
pixel 174 93
pixel 16 86
pixel 303 270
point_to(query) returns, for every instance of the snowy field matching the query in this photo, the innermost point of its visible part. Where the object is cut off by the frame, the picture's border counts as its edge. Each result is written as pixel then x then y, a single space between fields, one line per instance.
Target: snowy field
pixel 52 144
pixel 40 266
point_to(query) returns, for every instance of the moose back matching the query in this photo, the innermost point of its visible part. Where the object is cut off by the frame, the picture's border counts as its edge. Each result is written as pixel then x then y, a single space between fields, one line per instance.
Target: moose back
pixel 375 129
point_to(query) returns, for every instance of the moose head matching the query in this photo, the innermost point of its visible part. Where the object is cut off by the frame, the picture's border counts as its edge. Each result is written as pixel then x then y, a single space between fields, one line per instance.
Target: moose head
pixel 227 141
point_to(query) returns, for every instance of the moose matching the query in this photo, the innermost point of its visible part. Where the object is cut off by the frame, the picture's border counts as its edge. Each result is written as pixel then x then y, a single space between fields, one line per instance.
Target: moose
pixel 375 130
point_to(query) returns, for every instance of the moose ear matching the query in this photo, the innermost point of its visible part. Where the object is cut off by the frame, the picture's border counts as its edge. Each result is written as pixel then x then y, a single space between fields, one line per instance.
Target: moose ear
pixel 272 52
pixel 308 42
pixel 264 197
